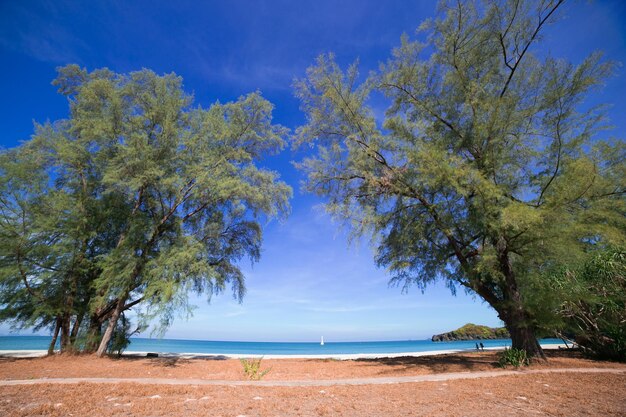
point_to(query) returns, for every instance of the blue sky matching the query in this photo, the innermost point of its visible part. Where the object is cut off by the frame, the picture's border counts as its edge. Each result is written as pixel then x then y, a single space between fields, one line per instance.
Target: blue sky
pixel 310 280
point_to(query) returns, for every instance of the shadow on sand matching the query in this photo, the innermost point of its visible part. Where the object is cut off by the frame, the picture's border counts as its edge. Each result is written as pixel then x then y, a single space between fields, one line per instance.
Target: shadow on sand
pixel 162 360
pixel 170 360
pixel 455 362
pixel 438 363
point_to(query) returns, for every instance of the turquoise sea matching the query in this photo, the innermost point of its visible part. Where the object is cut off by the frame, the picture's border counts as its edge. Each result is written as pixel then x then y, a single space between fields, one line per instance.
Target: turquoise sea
pixel 267 348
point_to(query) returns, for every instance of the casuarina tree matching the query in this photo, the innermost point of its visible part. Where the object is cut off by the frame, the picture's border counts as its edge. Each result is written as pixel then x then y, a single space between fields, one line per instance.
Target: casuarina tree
pixel 135 200
pixel 485 167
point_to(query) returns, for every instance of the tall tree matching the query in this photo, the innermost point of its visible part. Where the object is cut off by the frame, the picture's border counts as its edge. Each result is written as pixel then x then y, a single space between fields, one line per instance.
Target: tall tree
pixel 140 198
pixel 484 168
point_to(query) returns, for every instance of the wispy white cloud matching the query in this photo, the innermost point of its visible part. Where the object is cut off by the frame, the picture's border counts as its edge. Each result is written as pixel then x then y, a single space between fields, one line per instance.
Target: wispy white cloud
pixel 234 314
pixel 39 35
pixel 259 75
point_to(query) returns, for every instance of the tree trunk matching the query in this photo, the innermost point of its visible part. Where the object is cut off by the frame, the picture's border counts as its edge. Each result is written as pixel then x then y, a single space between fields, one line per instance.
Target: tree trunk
pixel 523 335
pixel 93 334
pixel 76 328
pixel 66 343
pixel 108 333
pixel 512 312
pixel 96 320
pixel 55 335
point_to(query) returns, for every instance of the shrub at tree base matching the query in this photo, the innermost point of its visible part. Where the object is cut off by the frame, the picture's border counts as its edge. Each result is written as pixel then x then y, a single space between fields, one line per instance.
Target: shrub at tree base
pixel 121 336
pixel 513 357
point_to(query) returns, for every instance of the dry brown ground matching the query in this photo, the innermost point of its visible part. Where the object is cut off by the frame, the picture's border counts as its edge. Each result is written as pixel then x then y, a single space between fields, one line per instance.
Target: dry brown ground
pixel 521 395
pixel 282 369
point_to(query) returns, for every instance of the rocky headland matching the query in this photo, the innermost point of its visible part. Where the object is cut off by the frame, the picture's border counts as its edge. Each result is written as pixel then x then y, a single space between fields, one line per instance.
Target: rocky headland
pixel 472 332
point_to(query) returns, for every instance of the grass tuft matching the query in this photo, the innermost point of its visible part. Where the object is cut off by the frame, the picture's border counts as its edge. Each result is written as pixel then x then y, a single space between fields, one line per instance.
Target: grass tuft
pixel 252 369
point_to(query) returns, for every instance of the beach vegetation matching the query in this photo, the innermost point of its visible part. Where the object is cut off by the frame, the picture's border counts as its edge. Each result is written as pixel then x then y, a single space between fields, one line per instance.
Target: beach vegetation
pixel 121 336
pixel 587 303
pixel 135 200
pixel 513 357
pixel 487 166
pixel 252 368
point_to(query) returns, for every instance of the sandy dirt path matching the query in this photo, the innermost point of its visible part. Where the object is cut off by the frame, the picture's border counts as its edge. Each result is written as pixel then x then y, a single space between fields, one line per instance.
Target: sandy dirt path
pixel 525 394
pixel 315 383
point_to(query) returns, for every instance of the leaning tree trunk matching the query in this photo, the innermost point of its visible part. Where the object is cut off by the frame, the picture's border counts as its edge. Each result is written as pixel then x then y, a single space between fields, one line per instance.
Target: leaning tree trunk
pixel 76 329
pixel 108 333
pixel 55 335
pixel 96 320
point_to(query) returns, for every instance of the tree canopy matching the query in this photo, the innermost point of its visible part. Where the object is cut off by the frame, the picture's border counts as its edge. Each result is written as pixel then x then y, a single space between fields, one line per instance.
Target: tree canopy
pixel 487 165
pixel 136 199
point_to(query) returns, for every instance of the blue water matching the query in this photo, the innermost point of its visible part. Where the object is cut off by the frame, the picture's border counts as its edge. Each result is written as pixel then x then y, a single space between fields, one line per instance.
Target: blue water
pixel 266 348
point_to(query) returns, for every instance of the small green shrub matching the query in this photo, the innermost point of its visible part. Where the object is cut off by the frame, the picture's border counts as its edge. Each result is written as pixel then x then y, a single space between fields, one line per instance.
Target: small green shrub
pixel 252 369
pixel 513 357
pixel 121 337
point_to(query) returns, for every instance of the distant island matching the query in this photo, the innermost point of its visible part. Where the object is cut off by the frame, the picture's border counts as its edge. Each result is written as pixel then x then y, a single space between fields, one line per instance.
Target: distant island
pixel 472 332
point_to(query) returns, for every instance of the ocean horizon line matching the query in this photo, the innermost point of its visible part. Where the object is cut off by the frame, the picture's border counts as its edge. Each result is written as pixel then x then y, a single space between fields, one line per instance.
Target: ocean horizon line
pixel 314 341
pixel 178 346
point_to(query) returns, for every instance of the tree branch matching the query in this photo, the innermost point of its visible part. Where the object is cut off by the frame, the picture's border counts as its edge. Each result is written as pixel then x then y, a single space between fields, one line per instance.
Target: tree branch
pixel 523 52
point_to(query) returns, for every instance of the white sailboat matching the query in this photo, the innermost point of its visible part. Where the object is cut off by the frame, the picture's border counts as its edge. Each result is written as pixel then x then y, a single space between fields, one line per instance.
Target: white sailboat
pixel 322 341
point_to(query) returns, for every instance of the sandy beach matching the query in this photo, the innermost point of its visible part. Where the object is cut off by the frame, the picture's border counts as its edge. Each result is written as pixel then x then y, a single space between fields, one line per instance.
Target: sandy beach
pixel 199 355
pixel 553 392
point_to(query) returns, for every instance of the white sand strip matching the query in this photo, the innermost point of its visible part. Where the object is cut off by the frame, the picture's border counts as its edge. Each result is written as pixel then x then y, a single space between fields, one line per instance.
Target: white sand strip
pixel 337 356
pixel 23 353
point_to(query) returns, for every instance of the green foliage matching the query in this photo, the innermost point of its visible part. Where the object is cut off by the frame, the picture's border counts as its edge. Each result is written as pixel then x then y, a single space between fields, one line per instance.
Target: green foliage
pixel 513 357
pixel 136 199
pixel 588 303
pixel 486 167
pixel 252 369
pixel 121 336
